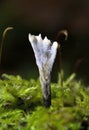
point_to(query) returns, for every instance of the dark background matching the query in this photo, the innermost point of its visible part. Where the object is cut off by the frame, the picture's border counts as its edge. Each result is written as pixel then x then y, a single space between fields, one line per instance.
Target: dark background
pixel 47 17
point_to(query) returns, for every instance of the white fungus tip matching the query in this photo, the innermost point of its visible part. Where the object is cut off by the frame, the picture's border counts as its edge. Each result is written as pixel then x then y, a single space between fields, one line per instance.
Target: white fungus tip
pixel 45 38
pixel 55 45
pixel 44 50
pixel 29 35
pixel 46 41
pixel 40 35
pixel 32 38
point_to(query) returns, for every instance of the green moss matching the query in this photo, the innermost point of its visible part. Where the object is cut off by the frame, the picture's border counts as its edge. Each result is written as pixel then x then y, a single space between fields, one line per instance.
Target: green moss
pixel 21 106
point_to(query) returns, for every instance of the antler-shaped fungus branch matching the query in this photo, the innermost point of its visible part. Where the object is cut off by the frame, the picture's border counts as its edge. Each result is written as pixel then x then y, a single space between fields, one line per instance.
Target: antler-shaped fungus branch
pixel 45 53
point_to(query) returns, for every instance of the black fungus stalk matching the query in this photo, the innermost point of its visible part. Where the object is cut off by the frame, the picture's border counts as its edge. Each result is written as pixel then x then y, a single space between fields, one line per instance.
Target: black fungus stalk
pixel 46 89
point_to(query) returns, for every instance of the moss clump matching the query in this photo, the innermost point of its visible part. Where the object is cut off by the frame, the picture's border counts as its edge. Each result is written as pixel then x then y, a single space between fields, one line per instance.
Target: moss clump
pixel 21 105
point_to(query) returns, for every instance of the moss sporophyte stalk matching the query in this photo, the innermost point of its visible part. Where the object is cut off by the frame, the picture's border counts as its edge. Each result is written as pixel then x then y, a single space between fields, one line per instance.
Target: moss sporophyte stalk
pixel 45 53
pixel 2 40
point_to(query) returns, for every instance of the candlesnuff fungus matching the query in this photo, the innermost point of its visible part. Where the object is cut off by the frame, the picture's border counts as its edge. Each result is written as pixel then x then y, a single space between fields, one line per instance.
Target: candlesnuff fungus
pixel 45 53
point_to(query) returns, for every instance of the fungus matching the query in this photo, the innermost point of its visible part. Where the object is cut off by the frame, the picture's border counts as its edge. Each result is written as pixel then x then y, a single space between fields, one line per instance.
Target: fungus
pixel 45 53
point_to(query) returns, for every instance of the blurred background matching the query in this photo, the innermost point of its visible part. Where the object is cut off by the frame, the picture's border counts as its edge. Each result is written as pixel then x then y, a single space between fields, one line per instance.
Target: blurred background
pixel 47 17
